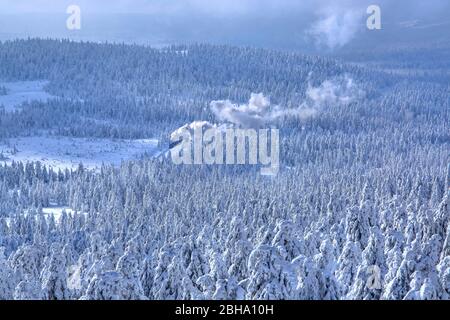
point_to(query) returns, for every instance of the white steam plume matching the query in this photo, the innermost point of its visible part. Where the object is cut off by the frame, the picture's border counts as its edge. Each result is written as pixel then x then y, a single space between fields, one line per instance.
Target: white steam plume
pixel 336 27
pixel 251 115
pixel 259 111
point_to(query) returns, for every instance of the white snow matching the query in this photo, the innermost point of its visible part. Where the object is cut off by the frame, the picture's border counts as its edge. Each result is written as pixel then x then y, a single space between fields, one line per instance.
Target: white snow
pixel 65 152
pixel 23 91
pixel 56 212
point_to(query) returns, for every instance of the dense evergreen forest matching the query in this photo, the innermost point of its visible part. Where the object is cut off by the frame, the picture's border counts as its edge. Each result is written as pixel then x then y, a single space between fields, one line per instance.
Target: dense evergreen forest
pixel 359 210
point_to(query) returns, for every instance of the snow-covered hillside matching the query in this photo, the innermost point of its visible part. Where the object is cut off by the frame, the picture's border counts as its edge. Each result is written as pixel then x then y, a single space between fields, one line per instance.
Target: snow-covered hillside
pixel 63 152
pixel 362 212
pixel 19 92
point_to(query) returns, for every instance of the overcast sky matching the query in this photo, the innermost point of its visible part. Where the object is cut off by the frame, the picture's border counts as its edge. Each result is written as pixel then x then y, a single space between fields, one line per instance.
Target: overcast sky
pixel 219 7
pixel 327 23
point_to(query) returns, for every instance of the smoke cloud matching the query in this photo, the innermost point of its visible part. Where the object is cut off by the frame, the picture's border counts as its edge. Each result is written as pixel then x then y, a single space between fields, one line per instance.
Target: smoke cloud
pixel 258 111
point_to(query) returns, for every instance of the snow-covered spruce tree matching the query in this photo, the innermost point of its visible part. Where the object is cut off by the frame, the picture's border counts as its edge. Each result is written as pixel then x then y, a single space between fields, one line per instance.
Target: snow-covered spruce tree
pixel 308 287
pixel 105 286
pixel 400 215
pixel 115 251
pixel 415 285
pixel 286 242
pixel 26 261
pixel 229 289
pixel 427 263
pixel 444 277
pixel 347 265
pixel 430 289
pixel 54 276
pixel 387 218
pixel 84 272
pixel 411 230
pixel 169 274
pixel 173 289
pixel 4 230
pixel 8 278
pixel 190 290
pixel 367 206
pixel 129 267
pixel 215 283
pixel 69 254
pixel 437 192
pixel 447 180
pixel 442 216
pixel 237 249
pixel 369 278
pixel 197 266
pixel 90 261
pixel 207 285
pixel 40 235
pixel 148 273
pixel 394 253
pixel 226 286
pixel 29 289
pixel 160 280
pixel 398 287
pixel 430 254
pixel 268 275
pixel 265 234
pixel 446 246
pixel 357 226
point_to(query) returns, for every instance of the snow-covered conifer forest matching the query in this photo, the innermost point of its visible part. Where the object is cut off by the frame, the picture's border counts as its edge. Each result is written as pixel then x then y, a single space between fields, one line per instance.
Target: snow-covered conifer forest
pixel 360 208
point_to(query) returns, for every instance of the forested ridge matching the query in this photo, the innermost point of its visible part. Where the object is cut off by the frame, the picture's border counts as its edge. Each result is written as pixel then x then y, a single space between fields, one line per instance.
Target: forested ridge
pixel 359 210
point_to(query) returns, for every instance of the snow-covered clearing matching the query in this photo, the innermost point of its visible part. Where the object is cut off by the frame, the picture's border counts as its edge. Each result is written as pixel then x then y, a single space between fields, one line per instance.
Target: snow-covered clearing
pixel 64 152
pixel 56 212
pixel 53 211
pixel 23 91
